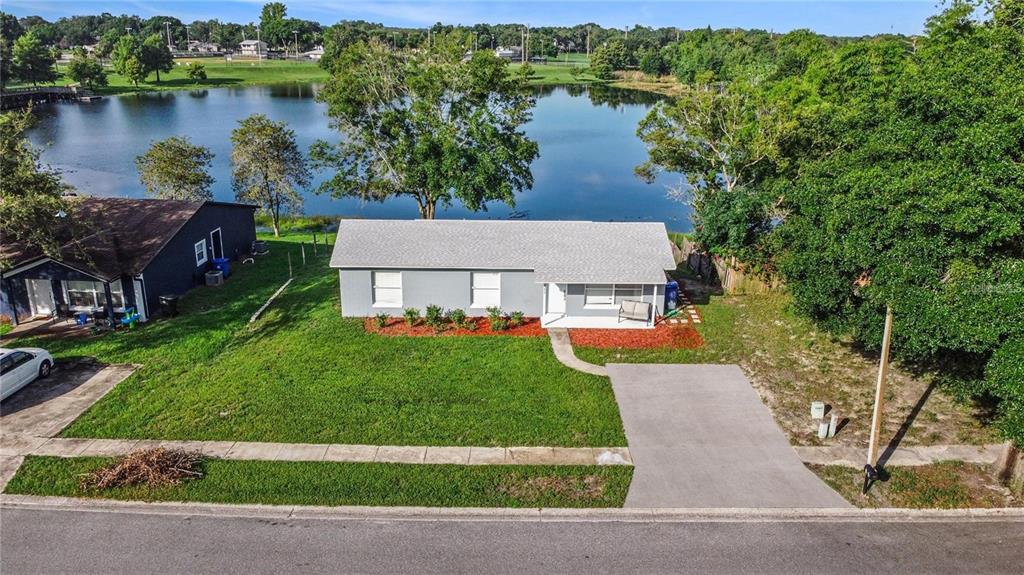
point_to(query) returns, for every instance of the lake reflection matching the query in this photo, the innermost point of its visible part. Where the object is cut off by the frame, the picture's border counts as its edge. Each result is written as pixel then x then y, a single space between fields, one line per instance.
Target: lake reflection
pixel 587 138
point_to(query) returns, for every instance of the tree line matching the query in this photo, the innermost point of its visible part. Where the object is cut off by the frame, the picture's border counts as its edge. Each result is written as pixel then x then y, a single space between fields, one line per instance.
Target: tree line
pixel 886 172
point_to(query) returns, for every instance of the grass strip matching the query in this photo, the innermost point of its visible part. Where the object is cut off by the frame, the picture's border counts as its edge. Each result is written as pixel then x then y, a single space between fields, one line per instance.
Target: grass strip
pixel 328 483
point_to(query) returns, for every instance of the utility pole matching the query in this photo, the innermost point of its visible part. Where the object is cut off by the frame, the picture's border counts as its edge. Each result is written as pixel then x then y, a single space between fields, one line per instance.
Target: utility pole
pixel 871 468
pixel 188 37
pixel 170 45
pixel 588 43
pixel 296 33
pixel 627 33
pixel 259 60
pixel 522 45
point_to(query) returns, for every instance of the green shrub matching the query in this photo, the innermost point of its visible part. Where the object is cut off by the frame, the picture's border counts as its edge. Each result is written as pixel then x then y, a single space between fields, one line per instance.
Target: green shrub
pixel 435 316
pixel 494 313
pixel 457 317
pixel 381 319
pixel 515 319
pixel 412 315
pixel 500 324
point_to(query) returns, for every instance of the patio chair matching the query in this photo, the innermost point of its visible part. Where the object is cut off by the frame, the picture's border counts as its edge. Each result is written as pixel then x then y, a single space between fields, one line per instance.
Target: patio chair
pixel 635 310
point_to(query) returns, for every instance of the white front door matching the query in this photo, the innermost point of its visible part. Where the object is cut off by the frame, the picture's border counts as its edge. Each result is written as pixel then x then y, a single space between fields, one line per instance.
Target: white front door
pixel 556 298
pixel 40 297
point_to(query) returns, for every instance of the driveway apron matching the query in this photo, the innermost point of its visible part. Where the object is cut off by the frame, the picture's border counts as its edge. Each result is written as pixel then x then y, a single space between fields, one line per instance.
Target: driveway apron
pixel 700 436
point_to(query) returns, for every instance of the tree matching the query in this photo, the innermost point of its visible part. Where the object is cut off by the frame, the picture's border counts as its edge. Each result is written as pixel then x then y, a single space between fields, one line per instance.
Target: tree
pixel 267 167
pixel 10 28
pixel 85 70
pixel 273 24
pixel 106 43
pixel 126 59
pixel 30 193
pixel 427 125
pixel 196 71
pixel 175 169
pixel 722 142
pixel 156 56
pixel 5 62
pixel 31 61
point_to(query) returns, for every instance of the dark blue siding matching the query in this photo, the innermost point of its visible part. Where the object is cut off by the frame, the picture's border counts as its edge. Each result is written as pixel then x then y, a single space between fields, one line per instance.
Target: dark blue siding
pixel 174 270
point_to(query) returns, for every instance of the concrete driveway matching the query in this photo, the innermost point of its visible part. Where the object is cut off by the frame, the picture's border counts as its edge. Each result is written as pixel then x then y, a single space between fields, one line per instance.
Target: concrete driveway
pixel 700 436
pixel 46 406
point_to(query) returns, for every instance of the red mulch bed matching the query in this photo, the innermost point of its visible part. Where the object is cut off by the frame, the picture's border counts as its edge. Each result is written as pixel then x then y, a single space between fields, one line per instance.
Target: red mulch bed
pixel 679 337
pixel 397 327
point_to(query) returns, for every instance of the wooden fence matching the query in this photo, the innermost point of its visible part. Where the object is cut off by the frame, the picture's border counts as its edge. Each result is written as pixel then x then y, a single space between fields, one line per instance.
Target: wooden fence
pixel 730 275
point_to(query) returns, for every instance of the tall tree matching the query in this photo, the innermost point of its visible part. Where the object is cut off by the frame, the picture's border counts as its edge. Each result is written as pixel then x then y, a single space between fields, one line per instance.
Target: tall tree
pixel 6 66
pixel 429 125
pixel 176 169
pixel 31 61
pixel 85 70
pixel 30 193
pixel 722 141
pixel 156 56
pixel 273 24
pixel 267 167
pixel 126 59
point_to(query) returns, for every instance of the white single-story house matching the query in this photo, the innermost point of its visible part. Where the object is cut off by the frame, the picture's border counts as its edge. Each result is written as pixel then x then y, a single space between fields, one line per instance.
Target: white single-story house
pixel 569 274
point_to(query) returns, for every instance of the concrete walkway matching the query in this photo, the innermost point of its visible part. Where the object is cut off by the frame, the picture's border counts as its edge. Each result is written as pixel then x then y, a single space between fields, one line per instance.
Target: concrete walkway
pixel 562 347
pixel 901 456
pixel 700 436
pixel 15 445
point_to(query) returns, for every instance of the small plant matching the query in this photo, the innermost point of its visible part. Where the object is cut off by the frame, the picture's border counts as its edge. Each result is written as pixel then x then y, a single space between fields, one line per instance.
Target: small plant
pixel 435 315
pixel 515 319
pixel 412 315
pixel 494 313
pixel 381 320
pixel 457 317
pixel 500 324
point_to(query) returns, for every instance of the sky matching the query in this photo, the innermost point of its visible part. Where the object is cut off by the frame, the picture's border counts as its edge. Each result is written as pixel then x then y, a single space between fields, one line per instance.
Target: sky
pixel 837 17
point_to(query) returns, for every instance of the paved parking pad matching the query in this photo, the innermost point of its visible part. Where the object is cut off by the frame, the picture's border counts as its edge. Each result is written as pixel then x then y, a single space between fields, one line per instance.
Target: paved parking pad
pixel 700 436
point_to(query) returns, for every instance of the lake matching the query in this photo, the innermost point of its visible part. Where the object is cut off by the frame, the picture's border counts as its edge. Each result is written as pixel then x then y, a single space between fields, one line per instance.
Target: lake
pixel 587 139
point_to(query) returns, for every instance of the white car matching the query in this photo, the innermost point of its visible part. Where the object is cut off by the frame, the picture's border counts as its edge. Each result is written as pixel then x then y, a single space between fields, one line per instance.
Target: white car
pixel 21 366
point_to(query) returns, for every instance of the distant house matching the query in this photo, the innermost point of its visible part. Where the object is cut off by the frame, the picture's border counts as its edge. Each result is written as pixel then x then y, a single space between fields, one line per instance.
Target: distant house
pixel 127 253
pixel 514 53
pixel 203 47
pixel 253 48
pixel 315 54
pixel 570 274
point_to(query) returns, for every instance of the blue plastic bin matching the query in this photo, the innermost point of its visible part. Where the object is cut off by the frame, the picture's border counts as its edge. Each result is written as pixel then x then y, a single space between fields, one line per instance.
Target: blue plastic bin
pixel 671 295
pixel 222 264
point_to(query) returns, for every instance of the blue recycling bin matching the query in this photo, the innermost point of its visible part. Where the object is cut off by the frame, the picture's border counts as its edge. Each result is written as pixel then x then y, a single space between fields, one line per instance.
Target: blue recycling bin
pixel 222 264
pixel 671 295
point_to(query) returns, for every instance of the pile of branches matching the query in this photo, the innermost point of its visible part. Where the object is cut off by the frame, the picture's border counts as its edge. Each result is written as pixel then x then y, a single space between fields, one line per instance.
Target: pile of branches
pixel 157 467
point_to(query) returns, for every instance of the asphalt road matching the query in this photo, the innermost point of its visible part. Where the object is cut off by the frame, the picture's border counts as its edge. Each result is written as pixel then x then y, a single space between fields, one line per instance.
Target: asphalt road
pixel 59 541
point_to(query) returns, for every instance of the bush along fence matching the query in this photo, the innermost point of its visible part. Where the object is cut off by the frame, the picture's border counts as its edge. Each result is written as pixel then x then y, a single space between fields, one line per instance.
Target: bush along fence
pixel 729 274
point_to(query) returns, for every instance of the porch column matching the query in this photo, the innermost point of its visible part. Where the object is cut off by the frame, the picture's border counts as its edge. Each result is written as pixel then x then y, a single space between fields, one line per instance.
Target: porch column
pixel 108 302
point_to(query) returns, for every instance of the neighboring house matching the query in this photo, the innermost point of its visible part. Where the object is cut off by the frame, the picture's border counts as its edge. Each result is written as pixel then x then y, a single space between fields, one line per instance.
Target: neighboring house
pixel 315 54
pixel 570 274
pixel 128 253
pixel 253 48
pixel 514 53
pixel 203 47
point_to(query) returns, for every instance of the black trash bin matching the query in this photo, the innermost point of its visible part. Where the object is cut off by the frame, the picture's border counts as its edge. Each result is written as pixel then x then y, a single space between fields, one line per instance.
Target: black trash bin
pixel 169 305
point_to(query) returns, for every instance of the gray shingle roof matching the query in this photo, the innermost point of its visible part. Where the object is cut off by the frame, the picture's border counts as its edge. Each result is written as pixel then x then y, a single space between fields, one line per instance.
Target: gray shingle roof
pixel 566 252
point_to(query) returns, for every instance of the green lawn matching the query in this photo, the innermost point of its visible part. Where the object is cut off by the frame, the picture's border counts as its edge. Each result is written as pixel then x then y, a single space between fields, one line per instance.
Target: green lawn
pixel 554 74
pixel 302 373
pixel 308 483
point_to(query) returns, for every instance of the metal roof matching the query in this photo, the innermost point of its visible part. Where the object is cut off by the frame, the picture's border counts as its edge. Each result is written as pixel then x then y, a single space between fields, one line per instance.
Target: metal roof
pixel 563 252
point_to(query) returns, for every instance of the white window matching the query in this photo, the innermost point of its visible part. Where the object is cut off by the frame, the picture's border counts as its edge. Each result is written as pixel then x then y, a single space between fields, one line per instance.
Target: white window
pixel 85 294
pixel 387 289
pixel 610 295
pixel 200 252
pixel 486 289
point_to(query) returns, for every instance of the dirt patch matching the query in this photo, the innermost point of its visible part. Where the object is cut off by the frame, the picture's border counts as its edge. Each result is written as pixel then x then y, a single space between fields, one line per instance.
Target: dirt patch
pixel 398 327
pixel 662 336
pixel 585 488
pixel 152 467
pixel 944 485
